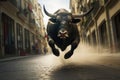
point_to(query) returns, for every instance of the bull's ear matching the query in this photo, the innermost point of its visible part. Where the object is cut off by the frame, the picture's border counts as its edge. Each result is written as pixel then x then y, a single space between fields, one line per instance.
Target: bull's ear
pixel 75 21
pixel 53 20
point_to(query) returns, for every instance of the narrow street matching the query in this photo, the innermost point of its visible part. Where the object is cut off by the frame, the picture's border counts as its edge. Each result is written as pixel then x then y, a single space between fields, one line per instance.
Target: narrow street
pixel 81 66
pixel 32 32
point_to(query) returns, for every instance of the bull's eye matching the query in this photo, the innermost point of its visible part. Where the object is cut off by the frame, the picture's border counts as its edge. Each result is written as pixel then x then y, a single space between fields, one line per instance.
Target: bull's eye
pixel 58 17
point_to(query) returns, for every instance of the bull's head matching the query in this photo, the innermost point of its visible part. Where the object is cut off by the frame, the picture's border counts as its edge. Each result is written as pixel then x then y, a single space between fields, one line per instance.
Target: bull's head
pixel 64 19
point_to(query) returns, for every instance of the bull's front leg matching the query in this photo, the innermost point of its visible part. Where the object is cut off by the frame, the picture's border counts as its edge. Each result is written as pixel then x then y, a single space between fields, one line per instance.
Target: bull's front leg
pixel 52 45
pixel 73 47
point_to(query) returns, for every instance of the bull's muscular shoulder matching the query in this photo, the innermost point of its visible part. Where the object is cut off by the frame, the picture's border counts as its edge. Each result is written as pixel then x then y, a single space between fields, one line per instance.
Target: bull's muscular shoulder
pixel 52 28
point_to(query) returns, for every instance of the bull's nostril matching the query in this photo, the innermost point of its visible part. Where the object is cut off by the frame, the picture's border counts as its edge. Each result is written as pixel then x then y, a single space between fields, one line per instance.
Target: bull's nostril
pixel 62 31
pixel 63 34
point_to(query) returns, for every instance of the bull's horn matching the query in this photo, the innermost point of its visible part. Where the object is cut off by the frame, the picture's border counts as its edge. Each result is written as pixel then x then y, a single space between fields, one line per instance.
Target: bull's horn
pixel 47 13
pixel 84 14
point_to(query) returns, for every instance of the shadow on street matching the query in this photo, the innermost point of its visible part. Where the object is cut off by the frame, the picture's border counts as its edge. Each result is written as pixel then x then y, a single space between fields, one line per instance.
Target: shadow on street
pixel 84 72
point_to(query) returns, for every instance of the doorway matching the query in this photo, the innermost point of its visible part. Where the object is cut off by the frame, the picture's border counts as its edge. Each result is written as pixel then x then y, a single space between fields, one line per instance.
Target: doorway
pixel 103 34
pixel 117 29
pixel 8 34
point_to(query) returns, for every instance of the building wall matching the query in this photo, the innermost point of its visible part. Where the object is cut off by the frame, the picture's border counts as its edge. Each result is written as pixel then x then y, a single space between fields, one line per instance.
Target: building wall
pixel 102 25
pixel 24 26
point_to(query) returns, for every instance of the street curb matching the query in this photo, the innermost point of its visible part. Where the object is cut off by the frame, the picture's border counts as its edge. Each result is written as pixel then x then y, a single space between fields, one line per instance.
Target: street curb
pixel 12 58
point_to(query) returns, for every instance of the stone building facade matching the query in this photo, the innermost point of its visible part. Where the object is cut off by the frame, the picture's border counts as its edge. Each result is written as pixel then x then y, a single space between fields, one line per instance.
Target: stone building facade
pixel 101 28
pixel 19 28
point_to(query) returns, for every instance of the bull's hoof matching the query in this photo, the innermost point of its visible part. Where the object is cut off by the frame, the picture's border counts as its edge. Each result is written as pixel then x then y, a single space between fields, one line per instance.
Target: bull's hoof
pixel 68 54
pixel 56 52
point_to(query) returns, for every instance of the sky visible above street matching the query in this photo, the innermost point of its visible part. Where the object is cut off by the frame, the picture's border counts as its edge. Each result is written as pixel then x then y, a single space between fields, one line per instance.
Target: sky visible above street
pixel 52 6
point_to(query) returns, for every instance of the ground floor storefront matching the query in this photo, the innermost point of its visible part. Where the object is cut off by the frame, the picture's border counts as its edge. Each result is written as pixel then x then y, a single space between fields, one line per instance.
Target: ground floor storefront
pixel 16 38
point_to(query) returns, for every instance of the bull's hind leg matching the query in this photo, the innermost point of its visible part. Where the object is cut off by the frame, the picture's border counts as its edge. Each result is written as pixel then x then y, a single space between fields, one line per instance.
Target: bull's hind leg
pixel 52 45
pixel 73 47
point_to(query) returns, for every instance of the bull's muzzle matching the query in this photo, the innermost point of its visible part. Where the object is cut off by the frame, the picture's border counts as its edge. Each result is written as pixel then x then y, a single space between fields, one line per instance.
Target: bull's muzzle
pixel 63 34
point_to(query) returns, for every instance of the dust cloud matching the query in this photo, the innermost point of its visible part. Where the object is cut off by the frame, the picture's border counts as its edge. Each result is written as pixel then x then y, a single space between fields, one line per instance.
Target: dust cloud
pixel 83 55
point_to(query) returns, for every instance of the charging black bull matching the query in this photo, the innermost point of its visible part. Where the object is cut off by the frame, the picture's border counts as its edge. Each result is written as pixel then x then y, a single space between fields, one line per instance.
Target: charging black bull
pixel 62 31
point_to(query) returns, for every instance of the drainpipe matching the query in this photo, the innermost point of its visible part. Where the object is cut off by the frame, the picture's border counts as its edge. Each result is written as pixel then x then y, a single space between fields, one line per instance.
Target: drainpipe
pixel 15 38
pixel 1 36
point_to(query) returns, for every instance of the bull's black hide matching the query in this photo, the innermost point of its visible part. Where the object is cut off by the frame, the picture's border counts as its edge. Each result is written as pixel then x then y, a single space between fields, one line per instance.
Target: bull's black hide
pixel 62 31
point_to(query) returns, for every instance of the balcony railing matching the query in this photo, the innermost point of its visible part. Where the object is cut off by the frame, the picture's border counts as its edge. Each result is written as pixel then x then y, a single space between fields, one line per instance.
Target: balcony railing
pixel 22 14
pixel 14 2
pixel 10 4
pixel 32 23
pixel 88 19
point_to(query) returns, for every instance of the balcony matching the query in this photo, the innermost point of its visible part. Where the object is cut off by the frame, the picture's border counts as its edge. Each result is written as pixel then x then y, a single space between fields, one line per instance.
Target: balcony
pixel 22 14
pixel 10 5
pixel 88 20
pixel 32 23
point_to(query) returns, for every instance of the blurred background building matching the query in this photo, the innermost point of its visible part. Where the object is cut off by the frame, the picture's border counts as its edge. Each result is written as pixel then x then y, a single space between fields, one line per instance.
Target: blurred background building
pixel 21 28
pixel 100 28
